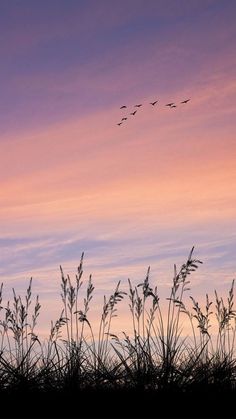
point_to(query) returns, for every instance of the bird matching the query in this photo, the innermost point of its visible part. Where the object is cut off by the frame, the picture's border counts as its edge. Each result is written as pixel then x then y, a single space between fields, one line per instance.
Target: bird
pixel 133 113
pixel 153 103
pixel 173 106
pixel 185 101
pixel 120 123
pixel 170 104
pixel 123 107
pixel 138 106
pixel 123 119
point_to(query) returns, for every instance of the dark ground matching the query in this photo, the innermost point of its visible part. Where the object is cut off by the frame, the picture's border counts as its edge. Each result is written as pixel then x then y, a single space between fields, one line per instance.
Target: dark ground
pixel 118 404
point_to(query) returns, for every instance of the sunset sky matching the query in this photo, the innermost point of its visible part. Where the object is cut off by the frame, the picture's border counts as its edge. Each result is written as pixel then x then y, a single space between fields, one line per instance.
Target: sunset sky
pixel 129 196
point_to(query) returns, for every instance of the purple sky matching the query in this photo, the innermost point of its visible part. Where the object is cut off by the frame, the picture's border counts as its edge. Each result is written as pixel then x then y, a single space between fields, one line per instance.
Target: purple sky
pixel 131 196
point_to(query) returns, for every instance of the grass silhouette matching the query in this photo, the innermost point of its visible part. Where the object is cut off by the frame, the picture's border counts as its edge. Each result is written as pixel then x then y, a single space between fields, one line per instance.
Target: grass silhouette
pixel 156 372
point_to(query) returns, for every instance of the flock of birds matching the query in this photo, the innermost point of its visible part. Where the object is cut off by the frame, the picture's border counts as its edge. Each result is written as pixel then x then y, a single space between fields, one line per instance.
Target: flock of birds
pixel 170 105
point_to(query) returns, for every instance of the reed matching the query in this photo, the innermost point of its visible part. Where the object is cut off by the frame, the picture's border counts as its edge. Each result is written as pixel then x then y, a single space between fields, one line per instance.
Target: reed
pixel 155 356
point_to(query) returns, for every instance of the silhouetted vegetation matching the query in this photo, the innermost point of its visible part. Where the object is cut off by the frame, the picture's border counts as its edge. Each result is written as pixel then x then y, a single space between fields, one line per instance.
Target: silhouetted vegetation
pixel 157 371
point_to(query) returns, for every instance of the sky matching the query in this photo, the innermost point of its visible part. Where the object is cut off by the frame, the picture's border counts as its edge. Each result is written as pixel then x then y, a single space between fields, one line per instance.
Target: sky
pixel 130 196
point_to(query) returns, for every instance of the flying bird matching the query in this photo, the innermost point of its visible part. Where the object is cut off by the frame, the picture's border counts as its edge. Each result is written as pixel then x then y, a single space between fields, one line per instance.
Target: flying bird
pixel 173 106
pixel 123 119
pixel 185 101
pixel 138 106
pixel 170 104
pixel 133 113
pixel 120 123
pixel 123 107
pixel 153 103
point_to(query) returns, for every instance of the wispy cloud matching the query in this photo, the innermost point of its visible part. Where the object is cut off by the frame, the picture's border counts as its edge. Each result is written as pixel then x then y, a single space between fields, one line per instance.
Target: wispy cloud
pixel 131 196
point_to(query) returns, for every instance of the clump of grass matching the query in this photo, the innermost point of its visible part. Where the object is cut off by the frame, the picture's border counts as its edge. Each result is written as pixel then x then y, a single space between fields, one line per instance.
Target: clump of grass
pixel 152 357
pixel 155 356
pixel 19 357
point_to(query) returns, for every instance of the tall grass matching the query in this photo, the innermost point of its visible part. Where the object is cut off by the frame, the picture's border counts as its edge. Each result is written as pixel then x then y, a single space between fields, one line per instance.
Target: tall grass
pixel 157 354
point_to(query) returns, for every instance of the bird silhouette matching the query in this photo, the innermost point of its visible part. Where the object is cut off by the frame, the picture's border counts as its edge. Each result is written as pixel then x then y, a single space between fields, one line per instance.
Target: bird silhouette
pixel 170 105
